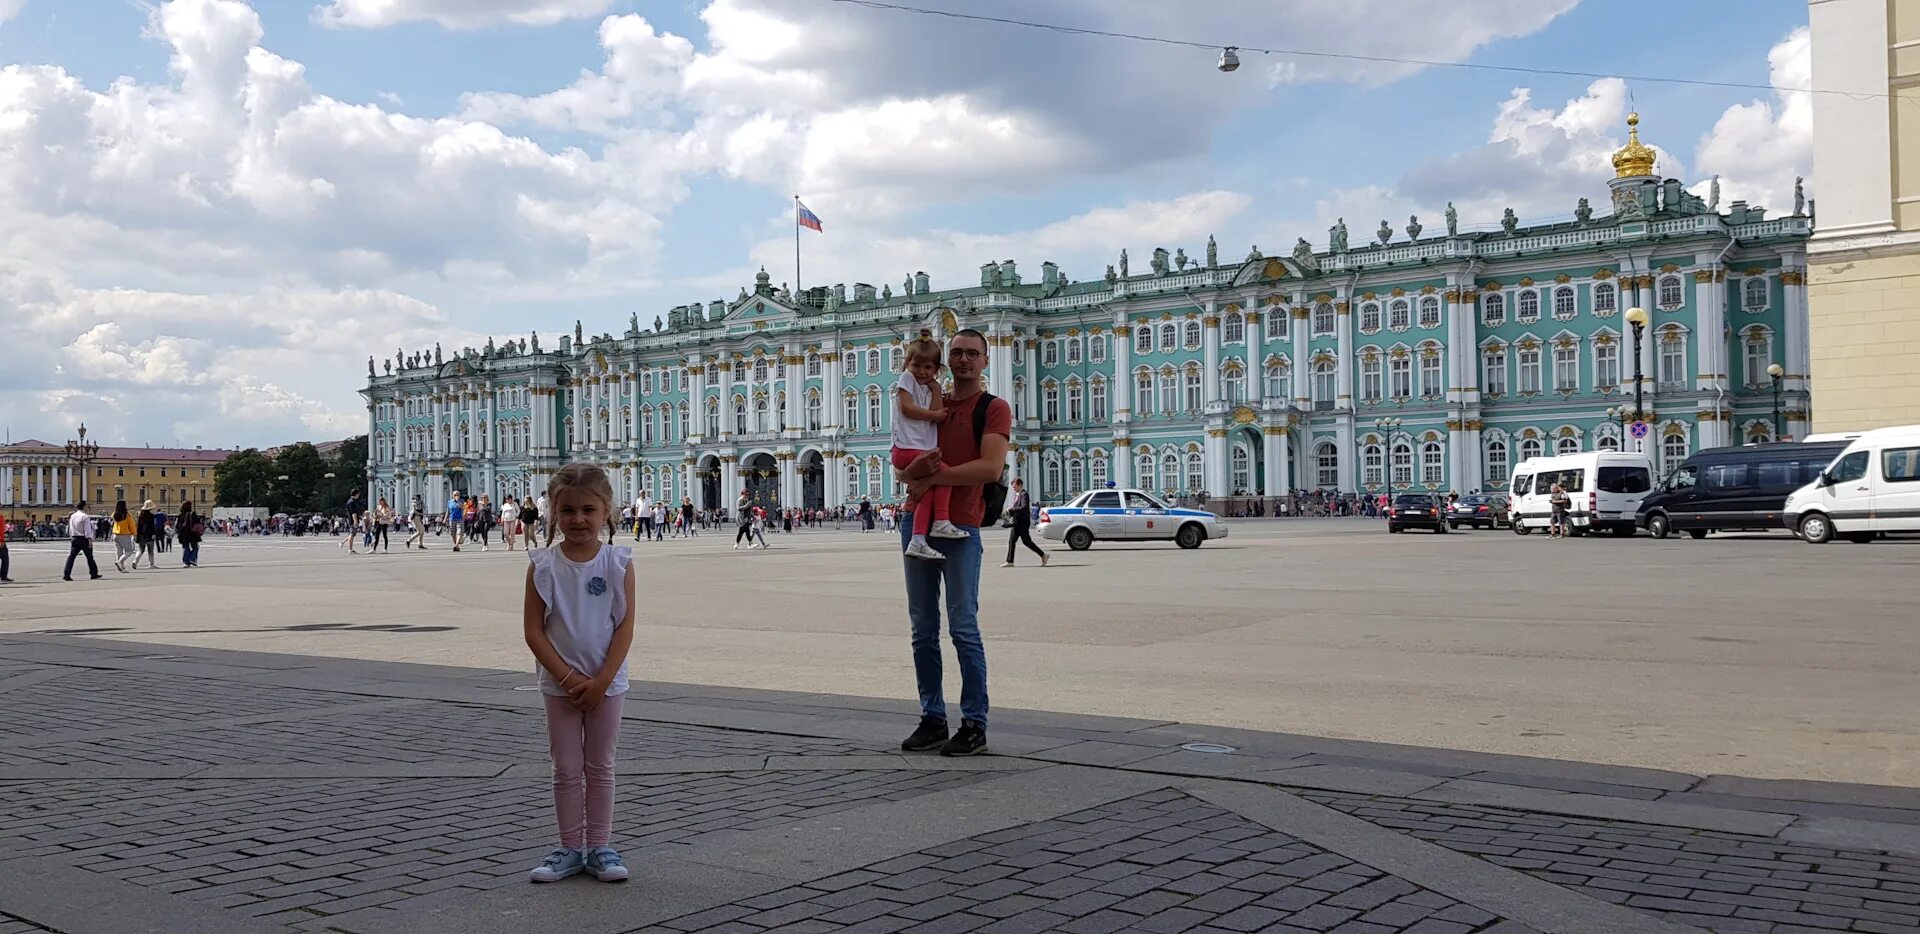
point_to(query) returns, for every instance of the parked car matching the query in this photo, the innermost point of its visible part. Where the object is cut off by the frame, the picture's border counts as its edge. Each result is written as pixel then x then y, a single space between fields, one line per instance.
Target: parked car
pixel 1606 487
pixel 1743 488
pixel 1130 515
pixel 1479 511
pixel 1871 489
pixel 1416 510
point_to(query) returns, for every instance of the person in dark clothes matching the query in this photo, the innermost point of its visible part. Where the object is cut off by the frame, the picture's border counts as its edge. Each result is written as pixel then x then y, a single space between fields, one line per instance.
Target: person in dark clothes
pixel 1019 509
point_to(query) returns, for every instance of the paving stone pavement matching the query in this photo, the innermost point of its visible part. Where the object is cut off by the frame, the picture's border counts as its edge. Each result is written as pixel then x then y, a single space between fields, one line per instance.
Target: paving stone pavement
pixel 229 791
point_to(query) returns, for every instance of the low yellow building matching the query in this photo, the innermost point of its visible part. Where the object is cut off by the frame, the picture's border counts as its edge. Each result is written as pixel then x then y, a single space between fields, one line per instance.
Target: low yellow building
pixel 38 479
pixel 1863 262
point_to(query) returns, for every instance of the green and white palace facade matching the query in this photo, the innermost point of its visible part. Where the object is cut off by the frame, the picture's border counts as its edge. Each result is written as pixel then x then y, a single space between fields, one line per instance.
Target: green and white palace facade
pixel 1432 359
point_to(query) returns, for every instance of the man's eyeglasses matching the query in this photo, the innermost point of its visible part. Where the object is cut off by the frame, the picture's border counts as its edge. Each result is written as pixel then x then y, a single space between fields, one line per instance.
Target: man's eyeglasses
pixel 965 353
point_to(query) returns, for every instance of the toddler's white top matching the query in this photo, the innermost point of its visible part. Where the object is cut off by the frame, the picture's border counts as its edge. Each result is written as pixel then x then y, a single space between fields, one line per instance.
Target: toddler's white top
pixel 586 601
pixel 916 434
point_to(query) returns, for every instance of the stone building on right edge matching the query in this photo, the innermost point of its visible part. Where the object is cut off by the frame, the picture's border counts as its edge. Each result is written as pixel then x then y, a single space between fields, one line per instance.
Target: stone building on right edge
pixel 1864 263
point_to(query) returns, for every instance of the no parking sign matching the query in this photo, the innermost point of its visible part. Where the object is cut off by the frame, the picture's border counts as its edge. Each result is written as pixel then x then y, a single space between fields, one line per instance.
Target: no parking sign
pixel 1638 429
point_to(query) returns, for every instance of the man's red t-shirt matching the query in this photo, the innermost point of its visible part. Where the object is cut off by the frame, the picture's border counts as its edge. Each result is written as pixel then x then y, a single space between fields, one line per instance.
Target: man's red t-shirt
pixel 958 447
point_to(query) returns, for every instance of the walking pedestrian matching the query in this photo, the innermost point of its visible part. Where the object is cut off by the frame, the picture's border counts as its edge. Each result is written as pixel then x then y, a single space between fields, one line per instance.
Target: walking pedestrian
pixel 1020 510
pixel 6 560
pixel 686 516
pixel 1560 502
pixel 143 536
pixel 578 620
pixel 972 452
pixel 124 528
pixel 192 530
pixel 80 533
pixel 382 524
pixel 509 520
pixel 743 518
pixel 484 519
pixel 417 516
pixel 456 517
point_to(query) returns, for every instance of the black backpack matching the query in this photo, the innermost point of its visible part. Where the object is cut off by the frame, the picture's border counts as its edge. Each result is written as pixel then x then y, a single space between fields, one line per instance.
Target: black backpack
pixel 993 494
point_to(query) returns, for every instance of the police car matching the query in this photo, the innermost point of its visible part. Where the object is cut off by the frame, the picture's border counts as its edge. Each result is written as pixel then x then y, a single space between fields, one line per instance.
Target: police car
pixel 1126 515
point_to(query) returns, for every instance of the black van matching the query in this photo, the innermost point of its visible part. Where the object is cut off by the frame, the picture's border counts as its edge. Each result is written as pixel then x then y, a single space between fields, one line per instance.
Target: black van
pixel 1734 488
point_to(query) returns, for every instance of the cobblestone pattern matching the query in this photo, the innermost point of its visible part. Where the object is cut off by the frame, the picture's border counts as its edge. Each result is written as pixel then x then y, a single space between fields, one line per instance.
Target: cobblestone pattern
pixel 305 849
pixel 143 700
pixel 1722 882
pixel 12 925
pixel 416 733
pixel 1161 862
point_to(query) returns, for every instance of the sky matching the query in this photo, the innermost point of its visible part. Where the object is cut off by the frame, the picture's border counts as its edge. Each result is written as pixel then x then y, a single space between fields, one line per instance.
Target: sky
pixel 213 211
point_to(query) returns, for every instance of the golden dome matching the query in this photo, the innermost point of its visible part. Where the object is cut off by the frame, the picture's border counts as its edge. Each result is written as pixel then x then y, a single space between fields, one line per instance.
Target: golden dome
pixel 1633 158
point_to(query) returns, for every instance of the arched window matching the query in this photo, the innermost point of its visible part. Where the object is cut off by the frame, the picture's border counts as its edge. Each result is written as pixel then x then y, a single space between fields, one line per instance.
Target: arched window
pixel 1498 469
pixel 1431 386
pixel 1196 473
pixel 1370 317
pixel 1429 312
pixel 1323 320
pixel 1371 386
pixel 1673 447
pixel 1673 358
pixel 873 361
pixel 1605 442
pixel 873 477
pixel 1606 364
pixel 713 419
pixel 1566 367
pixel 1169 338
pixel 1530 448
pixel 1019 399
pixel 1073 351
pixel 1529 363
pixel 813 410
pixel 1193 388
pixel 1759 355
pixel 1671 294
pixel 1529 307
pixel 1050 353
pixel 853 478
pixel 1169 471
pixel 1234 329
pixel 850 366
pixel 1402 463
pixel 1143 339
pixel 1191 336
pixel 813 364
pixel 686 414
pixel 1563 302
pixel 1277 380
pixel 1169 390
pixel 1566 445
pixel 1605 297
pixel 1076 475
pixel 760 370
pixel 1076 402
pixel 1398 315
pixel 1049 402
pixel 780 412
pixel 1097 348
pixel 1432 464
pixel 1493 309
pixel 1276 321
pixel 646 424
pixel 1371 467
pixel 1143 392
pixel 897 357
pixel 1097 399
pixel 760 413
pixel 1051 487
pixel 1097 471
pixel 850 418
pixel 1401 368
pixel 1143 470
pixel 739 415
pixel 1326 458
pixel 1241 470
pixel 1323 384
pixel 1233 385
pixel 1755 292
pixel 874 423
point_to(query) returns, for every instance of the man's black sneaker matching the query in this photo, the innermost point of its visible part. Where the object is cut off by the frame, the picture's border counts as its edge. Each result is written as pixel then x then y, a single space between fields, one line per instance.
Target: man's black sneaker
pixel 930 735
pixel 970 740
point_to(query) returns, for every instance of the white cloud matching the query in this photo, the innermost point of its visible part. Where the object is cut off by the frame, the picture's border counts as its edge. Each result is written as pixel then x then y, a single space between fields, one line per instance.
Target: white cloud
pixel 455 14
pixel 11 8
pixel 642 70
pixel 1759 147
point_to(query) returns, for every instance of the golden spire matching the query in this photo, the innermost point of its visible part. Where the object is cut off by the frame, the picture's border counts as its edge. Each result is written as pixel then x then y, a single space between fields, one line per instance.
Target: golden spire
pixel 1633 158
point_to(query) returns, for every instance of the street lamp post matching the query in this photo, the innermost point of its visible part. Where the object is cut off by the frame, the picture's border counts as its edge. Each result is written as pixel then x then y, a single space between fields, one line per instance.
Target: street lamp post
pixel 1060 441
pixel 329 478
pixel 1637 317
pixel 83 453
pixel 1775 372
pixel 1386 426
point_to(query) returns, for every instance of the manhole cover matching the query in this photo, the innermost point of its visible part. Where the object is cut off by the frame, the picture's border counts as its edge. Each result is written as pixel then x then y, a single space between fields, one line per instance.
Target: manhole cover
pixel 528 687
pixel 1207 747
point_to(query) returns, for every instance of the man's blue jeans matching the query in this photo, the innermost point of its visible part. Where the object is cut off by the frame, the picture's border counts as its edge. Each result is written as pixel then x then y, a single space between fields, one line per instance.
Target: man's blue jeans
pixel 961 574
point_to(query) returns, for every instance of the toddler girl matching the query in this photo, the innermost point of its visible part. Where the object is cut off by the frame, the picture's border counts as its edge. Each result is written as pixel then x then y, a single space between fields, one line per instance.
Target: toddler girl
pixel 918 413
pixel 579 624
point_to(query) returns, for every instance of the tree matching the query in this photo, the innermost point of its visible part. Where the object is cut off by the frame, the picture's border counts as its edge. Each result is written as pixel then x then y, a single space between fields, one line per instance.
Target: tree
pixel 305 486
pixel 349 466
pixel 245 478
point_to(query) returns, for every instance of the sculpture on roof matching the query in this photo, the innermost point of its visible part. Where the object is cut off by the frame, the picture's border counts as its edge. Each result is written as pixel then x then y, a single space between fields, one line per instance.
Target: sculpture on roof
pixel 578 334
pixel 1713 193
pixel 633 323
pixel 1583 212
pixel 886 292
pixel 1413 227
pixel 1159 261
pixel 1337 236
pixel 1508 222
pixel 1123 262
pixel 1799 196
pixel 656 323
pixel 1453 221
pixel 1303 255
pixel 1254 253
pixel 400 357
pixel 1385 232
pixel 1180 259
pixel 369 367
pixel 436 353
pixel 1627 206
pixel 1111 275
pixel 906 287
pixel 388 366
pixel 1213 252
pixel 491 348
pixel 536 342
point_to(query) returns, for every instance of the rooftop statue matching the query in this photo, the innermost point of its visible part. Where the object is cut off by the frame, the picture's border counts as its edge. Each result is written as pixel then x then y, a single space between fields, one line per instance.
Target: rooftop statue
pixel 436 353
pixel 1213 252
pixel 1303 255
pixel 1123 262
pixel 1159 262
pixel 1508 222
pixel 369 367
pixel 1583 212
pixel 1453 221
pixel 886 292
pixel 1254 253
pixel 1337 236
pixel 633 323
pixel 1180 259
pixel 1111 275
pixel 388 366
pixel 578 334
pixel 1413 227
pixel 1385 232
pixel 1799 196
pixel 656 322
pixel 491 349
pixel 1713 194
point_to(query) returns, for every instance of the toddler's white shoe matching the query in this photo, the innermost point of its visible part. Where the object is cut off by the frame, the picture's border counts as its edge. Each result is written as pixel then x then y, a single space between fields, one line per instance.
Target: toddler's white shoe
pixel 945 529
pixel 923 551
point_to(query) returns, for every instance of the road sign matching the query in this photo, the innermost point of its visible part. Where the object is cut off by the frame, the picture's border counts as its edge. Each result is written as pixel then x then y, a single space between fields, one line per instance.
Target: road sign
pixel 1638 429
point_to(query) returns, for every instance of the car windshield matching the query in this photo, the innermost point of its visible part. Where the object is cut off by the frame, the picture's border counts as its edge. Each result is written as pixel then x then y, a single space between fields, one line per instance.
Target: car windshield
pixel 1412 500
pixel 1474 500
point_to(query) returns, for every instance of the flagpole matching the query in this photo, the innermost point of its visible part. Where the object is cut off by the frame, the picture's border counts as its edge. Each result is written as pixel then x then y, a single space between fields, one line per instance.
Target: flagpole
pixel 796 245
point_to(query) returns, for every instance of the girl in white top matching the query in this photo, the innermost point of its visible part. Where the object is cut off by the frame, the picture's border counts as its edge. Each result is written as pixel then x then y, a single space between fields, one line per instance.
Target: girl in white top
pixel 579 624
pixel 918 413
pixel 509 518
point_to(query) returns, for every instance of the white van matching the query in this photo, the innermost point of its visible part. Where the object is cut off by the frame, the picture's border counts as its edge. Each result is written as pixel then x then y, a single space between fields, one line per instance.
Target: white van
pixel 1873 487
pixel 1606 487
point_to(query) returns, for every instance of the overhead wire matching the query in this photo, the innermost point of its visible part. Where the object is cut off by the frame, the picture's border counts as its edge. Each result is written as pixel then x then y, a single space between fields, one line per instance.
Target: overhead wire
pixel 1348 56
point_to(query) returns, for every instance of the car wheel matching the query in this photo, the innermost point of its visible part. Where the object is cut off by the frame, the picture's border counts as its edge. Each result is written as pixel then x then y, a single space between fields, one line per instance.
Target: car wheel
pixel 1816 529
pixel 1190 536
pixel 1657 526
pixel 1697 534
pixel 1520 528
pixel 1860 538
pixel 1079 539
pixel 1575 531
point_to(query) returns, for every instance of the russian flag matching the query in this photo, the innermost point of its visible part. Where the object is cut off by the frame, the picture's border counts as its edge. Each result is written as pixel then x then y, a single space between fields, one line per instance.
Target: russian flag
pixel 808 218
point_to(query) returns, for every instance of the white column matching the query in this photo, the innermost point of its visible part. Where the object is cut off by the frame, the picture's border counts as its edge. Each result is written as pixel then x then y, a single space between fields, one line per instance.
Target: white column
pixel 490 436
pixel 1120 385
pixel 1279 479
pixel 1343 356
pixel 6 485
pixel 1215 455
pixel 1210 356
pixel 726 416
pixel 1031 392
pixel 633 403
pixel 1256 372
pixel 729 483
pixel 1796 356
pixel 1302 369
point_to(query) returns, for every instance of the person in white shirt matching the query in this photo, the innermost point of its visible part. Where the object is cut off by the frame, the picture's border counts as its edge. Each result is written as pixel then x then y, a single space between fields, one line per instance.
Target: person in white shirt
pixel 80 529
pixel 642 518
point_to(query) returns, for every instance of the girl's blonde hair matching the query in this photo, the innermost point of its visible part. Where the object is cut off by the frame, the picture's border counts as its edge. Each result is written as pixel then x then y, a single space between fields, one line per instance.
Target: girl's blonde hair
pixel 923 347
pixel 587 478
